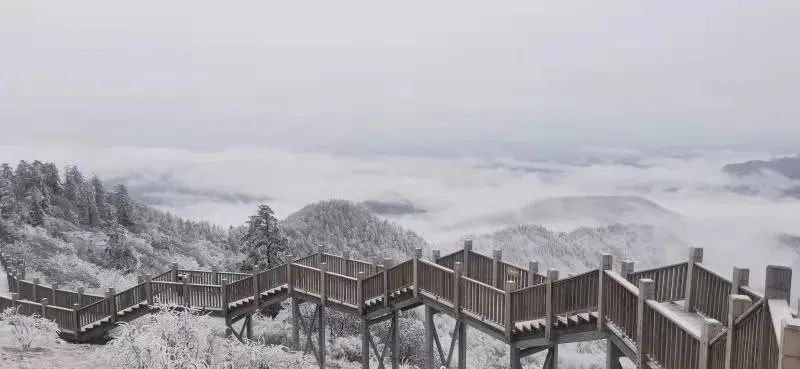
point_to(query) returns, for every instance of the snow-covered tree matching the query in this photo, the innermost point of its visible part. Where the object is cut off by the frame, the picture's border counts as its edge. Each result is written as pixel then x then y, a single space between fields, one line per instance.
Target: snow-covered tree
pixel 125 211
pixel 264 242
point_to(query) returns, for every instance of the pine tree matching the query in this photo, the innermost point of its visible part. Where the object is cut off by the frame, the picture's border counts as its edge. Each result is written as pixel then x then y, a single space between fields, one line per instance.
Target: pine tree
pixel 73 180
pixel 264 242
pixel 122 201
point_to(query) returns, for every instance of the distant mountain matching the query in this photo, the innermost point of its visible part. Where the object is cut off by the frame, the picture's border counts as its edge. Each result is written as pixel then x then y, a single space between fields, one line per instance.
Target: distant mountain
pixel 579 250
pixel 582 210
pixel 788 167
pixel 392 208
pixel 343 225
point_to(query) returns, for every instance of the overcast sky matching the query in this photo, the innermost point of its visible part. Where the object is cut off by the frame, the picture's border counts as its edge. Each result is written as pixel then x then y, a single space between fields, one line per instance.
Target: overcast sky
pixel 404 75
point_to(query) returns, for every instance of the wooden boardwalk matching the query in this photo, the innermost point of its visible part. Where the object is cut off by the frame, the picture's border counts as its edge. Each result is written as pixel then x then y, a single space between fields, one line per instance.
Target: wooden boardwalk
pixel 681 316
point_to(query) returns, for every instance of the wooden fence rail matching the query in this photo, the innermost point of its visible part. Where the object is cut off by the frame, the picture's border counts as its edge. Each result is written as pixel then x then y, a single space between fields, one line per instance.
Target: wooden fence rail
pixel 712 291
pixel 400 276
pixel 666 342
pixel 670 281
pixel 341 288
pixel 620 300
pixel 436 280
pixel 306 278
pixel 576 294
pixel 529 303
pixel 483 300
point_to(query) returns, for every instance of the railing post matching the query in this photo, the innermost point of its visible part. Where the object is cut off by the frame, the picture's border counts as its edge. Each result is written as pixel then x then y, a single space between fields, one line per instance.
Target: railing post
pixel 695 256
pixel 323 282
pixel 76 321
pixel 711 329
pixel 14 298
pixel 224 296
pixel 185 287
pixel 435 255
pixel 256 292
pixel 80 296
pixel 148 288
pixel 533 269
pixel 467 249
pixel 647 291
pixel 552 276
pixel 626 269
pixel 508 318
pixel 417 256
pixel 497 255
pixel 789 355
pixel 606 263
pixel 387 263
pixel 53 289
pixel 740 278
pixel 778 285
pixel 360 292
pixel 457 269
pixel 347 264
pixel 35 289
pixel 289 284
pixel 320 254
pixel 44 303
pixel 174 268
pixel 112 304
pixel 737 306
pixel 215 275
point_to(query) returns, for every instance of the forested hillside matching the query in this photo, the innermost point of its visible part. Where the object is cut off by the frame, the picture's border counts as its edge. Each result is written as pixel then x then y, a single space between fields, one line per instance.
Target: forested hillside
pixel 344 225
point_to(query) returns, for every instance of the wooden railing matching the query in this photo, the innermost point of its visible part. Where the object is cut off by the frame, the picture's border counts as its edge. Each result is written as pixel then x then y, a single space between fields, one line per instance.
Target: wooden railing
pixel 63 317
pixel 372 286
pixel 271 278
pixel 65 299
pixel 199 276
pixel 576 294
pixel 712 291
pixel 233 277
pixel 479 268
pixel 483 300
pixel 716 352
pixel 670 281
pixel 341 288
pixel 240 289
pixel 170 293
pixel 204 295
pixel 306 278
pixel 164 277
pixel 529 303
pixel 436 280
pixel 449 260
pixel 400 276
pixel 93 312
pixel 130 297
pixel 620 300
pixel 666 342
pixel 309 261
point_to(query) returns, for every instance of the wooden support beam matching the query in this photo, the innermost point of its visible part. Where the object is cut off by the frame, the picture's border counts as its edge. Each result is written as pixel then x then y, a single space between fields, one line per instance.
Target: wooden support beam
pixel 467 250
pixel 323 285
pixel 295 324
pixel 395 339
pixel 533 270
pixel 185 289
pixel 739 279
pixel 80 296
pixel 417 256
pixel 148 289
pixel 76 322
pixel 647 291
pixel 43 304
pixel 360 291
pixel 497 256
pixel 174 268
pixel 430 327
pixel 387 263
pixel 613 354
pixel 461 328
pixel 509 321
pixel 738 304
pixel 364 343
pixel 515 355
pixel 778 285
pixel 552 276
pixel 215 274
pixel 53 289
pixel 35 289
pixel 224 301
pixel 457 269
pixel 551 361
pixel 321 340
pixel 112 304
pixel 606 263
pixel 626 268
pixel 436 254
pixel 695 256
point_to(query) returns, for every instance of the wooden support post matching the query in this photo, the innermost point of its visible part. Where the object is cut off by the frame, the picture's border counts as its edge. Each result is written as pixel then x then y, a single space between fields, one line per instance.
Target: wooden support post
pixel 778 285
pixel 53 289
pixel 148 288
pixel 256 290
pixel 467 250
pixel 360 292
pixel 533 270
pixel 739 279
pixel 507 313
pixel 514 355
pixel 44 303
pixel 738 304
pixel 387 263
pixel 112 303
pixel 497 255
pixel 606 263
pixel 695 256
pixel 224 296
pixel 395 339
pixel 174 273
pixel 289 284
pixel 323 283
pixel 296 324
pixel 248 323
pixel 320 254
pixel 321 341
pixel 457 287
pixel 430 330
pixel 435 255
pixel 14 298
pixel 613 354
pixel 789 355
pixel 552 276
pixel 647 291
pixel 214 274
pixel 461 327
pixel 35 289
pixel 626 268
pixel 80 296
pixel 364 343
pixel 551 361
pixel 76 321
pixel 185 289
pixel 417 256
pixel 711 329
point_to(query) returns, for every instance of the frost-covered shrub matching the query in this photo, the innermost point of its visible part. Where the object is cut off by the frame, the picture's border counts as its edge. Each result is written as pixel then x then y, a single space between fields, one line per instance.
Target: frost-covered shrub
pixel 172 339
pixel 30 330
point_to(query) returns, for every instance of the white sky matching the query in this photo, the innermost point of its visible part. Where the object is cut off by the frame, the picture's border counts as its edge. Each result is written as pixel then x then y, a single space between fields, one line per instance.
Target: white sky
pixel 369 75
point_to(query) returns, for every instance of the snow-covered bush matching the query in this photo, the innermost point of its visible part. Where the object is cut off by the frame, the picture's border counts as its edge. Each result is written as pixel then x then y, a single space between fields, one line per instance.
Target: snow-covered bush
pixel 30 330
pixel 178 339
